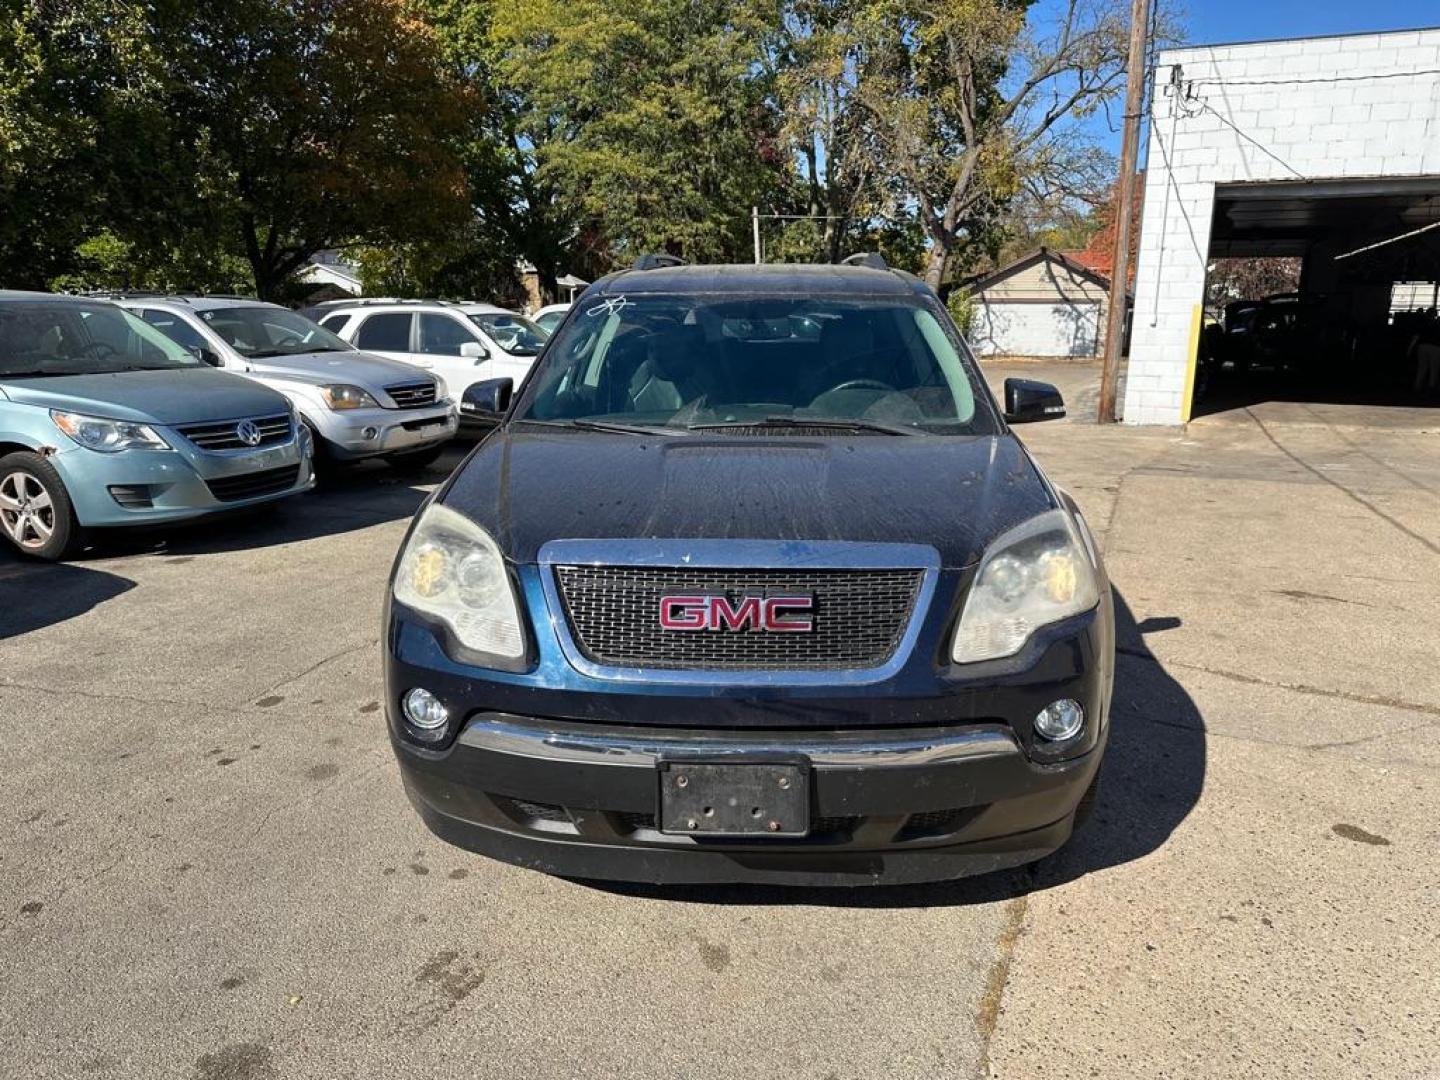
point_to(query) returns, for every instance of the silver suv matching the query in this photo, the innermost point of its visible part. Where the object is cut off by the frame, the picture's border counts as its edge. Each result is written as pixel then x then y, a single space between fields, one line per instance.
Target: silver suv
pixel 357 405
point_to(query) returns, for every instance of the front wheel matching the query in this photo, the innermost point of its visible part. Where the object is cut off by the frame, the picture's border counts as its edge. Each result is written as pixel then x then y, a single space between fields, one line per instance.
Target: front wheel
pixel 415 460
pixel 36 514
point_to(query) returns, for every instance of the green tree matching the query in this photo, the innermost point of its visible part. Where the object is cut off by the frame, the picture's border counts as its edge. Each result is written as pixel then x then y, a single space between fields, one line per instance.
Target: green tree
pixel 312 124
pixel 648 120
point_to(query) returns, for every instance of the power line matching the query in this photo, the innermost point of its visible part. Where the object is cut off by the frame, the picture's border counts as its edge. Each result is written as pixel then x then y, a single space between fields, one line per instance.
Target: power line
pixel 1205 105
pixel 1321 79
pixel 1391 240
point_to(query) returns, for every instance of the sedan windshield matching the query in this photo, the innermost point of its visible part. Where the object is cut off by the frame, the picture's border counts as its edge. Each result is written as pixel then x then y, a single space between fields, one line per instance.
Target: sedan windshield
pixel 517 336
pixel 759 365
pixel 258 332
pixel 60 337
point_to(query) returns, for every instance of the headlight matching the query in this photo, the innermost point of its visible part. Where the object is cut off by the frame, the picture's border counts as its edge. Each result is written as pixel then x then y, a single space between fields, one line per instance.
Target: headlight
pixel 452 570
pixel 344 396
pixel 107 436
pixel 1035 574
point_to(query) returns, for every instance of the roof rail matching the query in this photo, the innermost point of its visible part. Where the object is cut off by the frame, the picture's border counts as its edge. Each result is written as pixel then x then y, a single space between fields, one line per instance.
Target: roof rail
pixel 225 296
pixel 870 259
pixel 134 294
pixel 653 261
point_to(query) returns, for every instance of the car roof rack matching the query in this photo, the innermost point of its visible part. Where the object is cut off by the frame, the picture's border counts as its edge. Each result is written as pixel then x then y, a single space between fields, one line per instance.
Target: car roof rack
pixel 134 294
pixel 656 260
pixel 871 260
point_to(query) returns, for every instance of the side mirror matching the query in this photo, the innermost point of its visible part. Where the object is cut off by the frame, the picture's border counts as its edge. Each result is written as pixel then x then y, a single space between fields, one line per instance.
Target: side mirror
pixel 1028 401
pixel 487 400
pixel 206 356
pixel 474 350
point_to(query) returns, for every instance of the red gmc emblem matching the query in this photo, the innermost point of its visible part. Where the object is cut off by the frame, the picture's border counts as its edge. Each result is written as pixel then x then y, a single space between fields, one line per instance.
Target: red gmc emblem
pixel 771 614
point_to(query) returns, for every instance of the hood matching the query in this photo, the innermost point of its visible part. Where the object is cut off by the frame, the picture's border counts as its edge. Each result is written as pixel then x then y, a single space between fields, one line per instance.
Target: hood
pixel 360 368
pixel 953 493
pixel 175 396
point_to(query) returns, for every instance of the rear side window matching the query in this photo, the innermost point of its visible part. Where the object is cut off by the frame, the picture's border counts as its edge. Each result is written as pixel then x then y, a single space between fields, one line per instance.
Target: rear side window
pixel 334 322
pixel 388 332
pixel 175 328
pixel 440 335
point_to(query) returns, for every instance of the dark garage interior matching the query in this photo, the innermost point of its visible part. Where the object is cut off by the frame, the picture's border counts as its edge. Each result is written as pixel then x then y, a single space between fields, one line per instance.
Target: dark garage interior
pixel 1361 327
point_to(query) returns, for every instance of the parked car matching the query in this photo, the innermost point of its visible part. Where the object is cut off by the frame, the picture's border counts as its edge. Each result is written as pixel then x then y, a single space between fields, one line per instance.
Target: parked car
pixel 550 316
pixel 357 405
pixel 461 343
pixel 720 601
pixel 106 422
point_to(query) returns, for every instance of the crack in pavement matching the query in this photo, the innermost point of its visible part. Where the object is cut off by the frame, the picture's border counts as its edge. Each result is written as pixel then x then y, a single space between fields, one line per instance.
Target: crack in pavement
pixel 70 691
pixel 1299 688
pixel 291 679
pixel 1419 538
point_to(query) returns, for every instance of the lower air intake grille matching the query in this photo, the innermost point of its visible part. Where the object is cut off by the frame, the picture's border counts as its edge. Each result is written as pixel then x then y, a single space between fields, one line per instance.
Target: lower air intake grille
pixel 859 616
pixel 253 485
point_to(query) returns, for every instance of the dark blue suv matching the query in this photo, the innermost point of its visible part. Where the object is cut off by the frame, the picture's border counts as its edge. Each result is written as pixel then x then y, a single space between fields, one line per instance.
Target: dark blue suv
pixel 752 582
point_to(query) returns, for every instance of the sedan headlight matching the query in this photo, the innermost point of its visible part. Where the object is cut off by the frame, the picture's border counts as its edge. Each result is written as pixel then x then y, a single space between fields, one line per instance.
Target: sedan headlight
pixel 452 570
pixel 340 396
pixel 107 436
pixel 1035 574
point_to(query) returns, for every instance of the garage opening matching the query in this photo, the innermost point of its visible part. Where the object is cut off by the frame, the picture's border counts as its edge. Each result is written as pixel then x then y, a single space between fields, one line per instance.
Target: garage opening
pixel 1323 292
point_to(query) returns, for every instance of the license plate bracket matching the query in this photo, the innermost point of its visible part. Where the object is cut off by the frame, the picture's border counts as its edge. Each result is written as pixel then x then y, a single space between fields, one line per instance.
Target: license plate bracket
pixel 734 798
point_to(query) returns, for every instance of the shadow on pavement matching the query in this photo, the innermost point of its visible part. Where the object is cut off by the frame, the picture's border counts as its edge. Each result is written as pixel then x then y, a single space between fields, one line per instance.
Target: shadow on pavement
pixel 1153 774
pixel 34 595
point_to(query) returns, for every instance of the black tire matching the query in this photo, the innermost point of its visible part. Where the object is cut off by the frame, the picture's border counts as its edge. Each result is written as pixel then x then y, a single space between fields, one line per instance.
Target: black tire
pixel 49 531
pixel 415 460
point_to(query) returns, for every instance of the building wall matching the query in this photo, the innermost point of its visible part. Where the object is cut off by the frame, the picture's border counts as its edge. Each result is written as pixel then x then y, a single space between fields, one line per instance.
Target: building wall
pixel 1268 111
pixel 1040 310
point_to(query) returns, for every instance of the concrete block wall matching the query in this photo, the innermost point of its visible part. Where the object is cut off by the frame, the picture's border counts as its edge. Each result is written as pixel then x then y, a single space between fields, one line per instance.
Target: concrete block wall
pixel 1364 105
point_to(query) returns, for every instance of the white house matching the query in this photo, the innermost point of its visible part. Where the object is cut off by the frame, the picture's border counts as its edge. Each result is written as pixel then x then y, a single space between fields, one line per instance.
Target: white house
pixel 1046 304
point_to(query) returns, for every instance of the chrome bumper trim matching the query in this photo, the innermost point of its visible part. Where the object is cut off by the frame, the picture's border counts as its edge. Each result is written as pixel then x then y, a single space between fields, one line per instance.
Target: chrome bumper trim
pixel 642 749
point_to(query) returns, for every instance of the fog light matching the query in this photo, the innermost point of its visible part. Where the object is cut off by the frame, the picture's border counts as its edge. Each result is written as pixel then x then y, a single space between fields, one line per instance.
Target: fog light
pixel 1060 720
pixel 426 713
pixel 370 432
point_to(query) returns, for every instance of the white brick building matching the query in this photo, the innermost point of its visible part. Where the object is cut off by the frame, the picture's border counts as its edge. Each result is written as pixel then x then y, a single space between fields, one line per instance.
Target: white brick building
pixel 1310 147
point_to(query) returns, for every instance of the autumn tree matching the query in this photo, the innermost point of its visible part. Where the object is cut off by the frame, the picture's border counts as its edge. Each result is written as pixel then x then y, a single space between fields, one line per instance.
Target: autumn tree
pixel 972 99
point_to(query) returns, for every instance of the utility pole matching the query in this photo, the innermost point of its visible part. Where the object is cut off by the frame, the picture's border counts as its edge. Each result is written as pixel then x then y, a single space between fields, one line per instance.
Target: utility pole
pixel 755 228
pixel 1125 208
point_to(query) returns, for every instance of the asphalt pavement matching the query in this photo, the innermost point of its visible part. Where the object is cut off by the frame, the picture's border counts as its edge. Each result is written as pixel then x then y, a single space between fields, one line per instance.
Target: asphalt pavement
pixel 208 869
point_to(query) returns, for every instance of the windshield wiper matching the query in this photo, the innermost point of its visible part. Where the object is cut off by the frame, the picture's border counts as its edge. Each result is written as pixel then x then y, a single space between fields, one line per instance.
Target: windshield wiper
pixel 803 422
pixel 607 425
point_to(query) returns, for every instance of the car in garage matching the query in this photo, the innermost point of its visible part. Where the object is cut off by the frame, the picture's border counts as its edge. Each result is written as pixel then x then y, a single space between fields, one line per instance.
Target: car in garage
pixel 461 343
pixel 754 582
pixel 105 422
pixel 356 405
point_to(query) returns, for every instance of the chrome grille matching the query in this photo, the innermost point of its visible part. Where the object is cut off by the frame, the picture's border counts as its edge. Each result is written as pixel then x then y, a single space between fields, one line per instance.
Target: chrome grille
pixel 412 395
pixel 859 616
pixel 224 434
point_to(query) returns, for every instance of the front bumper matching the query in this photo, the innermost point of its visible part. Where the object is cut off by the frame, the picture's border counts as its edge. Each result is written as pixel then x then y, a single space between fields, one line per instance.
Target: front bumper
pixel 354 434
pixel 151 487
pixel 889 807
pixel 932 773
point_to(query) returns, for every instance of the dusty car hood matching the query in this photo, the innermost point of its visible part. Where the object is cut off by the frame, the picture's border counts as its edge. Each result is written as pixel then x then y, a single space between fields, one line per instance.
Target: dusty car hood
pixel 315 369
pixel 953 493
pixel 175 396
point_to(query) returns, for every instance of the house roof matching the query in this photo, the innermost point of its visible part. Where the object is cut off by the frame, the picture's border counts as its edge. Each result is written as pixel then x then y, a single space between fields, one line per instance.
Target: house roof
pixel 1070 262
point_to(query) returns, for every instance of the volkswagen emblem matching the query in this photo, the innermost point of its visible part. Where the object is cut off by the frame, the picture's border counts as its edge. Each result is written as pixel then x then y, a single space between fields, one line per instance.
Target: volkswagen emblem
pixel 248 433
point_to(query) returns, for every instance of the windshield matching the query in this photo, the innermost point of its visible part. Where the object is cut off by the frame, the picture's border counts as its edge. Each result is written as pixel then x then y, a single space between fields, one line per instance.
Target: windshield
pixel 516 335
pixel 861 364
pixel 66 338
pixel 257 332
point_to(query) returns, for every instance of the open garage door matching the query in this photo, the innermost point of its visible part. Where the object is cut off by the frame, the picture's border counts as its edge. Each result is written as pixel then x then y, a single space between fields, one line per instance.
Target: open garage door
pixel 1357 326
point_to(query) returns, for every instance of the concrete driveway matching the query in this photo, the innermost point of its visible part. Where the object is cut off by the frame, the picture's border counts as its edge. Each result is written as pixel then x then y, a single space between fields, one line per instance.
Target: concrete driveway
pixel 207 867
